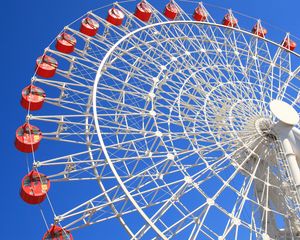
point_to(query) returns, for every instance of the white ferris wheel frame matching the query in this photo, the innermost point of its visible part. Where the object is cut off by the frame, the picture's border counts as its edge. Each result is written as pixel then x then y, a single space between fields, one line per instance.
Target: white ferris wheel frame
pixel 93 103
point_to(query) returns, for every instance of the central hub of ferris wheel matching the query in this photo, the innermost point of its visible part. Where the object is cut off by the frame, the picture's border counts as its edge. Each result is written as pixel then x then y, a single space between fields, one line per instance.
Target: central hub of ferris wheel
pixel 264 128
pixel 283 112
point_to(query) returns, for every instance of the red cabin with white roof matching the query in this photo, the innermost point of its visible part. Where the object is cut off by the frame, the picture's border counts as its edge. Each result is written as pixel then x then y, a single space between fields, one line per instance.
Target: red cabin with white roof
pixel 34 188
pixel 89 26
pixel 200 14
pixel 229 20
pixel 115 16
pixel 46 66
pixel 28 138
pixel 57 233
pixel 143 11
pixel 65 43
pixel 171 10
pixel 33 98
pixel 259 30
pixel 289 44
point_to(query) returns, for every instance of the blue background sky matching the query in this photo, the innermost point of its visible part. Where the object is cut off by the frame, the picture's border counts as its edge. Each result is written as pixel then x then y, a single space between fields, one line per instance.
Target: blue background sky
pixel 27 27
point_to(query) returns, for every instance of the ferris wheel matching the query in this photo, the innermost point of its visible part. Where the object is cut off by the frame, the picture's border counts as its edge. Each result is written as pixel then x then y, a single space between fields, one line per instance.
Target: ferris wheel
pixel 174 124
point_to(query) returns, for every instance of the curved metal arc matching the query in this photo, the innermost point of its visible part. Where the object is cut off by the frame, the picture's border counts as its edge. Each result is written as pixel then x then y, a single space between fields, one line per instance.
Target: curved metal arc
pixel 147 219
pixel 99 73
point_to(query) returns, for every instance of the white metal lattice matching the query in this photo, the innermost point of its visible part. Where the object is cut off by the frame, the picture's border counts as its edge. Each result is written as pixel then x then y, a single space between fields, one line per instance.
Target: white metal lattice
pixel 172 120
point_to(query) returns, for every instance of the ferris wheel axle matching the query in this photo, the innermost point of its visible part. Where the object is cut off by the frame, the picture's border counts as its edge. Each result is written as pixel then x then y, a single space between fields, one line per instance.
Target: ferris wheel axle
pixel 289 135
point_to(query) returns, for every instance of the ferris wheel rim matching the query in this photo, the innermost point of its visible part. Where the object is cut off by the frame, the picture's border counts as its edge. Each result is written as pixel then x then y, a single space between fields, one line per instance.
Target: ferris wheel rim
pixel 97 79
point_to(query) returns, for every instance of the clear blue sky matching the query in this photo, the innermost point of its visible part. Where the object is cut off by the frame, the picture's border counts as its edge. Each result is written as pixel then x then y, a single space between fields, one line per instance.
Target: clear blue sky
pixel 27 27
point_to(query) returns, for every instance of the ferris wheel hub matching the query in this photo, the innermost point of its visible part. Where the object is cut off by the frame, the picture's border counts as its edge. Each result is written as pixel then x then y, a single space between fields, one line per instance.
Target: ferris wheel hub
pixel 264 128
pixel 284 112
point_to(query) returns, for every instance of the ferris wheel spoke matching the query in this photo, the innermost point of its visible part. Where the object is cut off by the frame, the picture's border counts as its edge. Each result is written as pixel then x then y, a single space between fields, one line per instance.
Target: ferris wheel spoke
pixel 95 210
pixel 160 44
pixel 296 100
pixel 143 73
pixel 260 60
pixel 194 220
pixel 65 126
pixel 168 204
pixel 143 230
pixel 181 224
pixel 75 166
pixel 287 83
pixel 95 214
pixel 276 62
pixel 77 60
pixel 214 143
pixel 242 198
pixel 72 102
pixel 235 56
pixel 150 59
pixel 64 84
pixel 77 72
pixel 194 235
pixel 217 166
pixel 64 119
pixel 206 150
pixel 109 102
pixel 73 96
pixel 127 86
pixel 92 211
pixel 75 63
pixel 193 44
pixel 152 203
pixel 71 141
pixel 72 93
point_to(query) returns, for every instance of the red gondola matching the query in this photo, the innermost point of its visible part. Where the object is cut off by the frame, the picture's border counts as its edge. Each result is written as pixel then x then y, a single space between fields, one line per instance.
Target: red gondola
pixel 89 26
pixel 46 66
pixel 259 30
pixel 57 233
pixel 289 44
pixel 115 16
pixel 229 20
pixel 143 11
pixel 35 187
pixel 200 14
pixel 32 98
pixel 28 138
pixel 65 43
pixel 171 10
